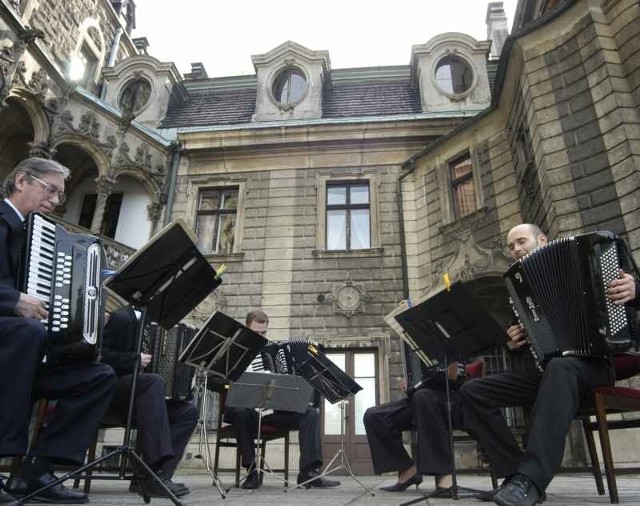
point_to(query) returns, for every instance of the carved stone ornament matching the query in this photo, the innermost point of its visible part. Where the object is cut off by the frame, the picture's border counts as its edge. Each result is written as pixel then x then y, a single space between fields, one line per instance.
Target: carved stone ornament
pixel 348 298
pixel 471 261
pixel 215 301
pixel 89 125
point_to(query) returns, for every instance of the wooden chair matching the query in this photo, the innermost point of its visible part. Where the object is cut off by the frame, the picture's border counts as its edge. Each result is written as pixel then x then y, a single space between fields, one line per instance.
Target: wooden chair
pixel 225 438
pixel 604 401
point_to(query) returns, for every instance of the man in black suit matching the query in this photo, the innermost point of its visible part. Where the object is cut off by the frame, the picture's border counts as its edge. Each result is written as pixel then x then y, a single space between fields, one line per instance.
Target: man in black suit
pixel 164 425
pixel 83 390
pixel 553 396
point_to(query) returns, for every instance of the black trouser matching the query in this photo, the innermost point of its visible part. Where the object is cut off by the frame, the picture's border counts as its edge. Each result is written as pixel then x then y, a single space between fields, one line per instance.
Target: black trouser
pixel 83 392
pixel 554 397
pixel 245 422
pixel 426 413
pixel 164 426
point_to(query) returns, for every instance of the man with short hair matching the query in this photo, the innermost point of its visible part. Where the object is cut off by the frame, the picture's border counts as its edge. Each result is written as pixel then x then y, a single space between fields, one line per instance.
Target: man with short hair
pixel 245 421
pixel 553 395
pixel 83 390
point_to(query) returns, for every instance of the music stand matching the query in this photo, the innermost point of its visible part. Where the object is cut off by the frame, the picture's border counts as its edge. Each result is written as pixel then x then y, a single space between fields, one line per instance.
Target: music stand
pixel 267 391
pixel 223 348
pixel 335 385
pixel 166 278
pixel 446 327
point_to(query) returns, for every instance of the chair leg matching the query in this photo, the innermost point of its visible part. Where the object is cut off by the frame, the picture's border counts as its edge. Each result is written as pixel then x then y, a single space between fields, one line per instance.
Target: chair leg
pixel 605 443
pixel 494 478
pixel 91 456
pixel 237 467
pixel 593 455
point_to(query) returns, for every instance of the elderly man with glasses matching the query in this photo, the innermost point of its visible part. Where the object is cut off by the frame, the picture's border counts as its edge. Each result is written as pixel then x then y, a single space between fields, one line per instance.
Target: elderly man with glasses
pixel 83 390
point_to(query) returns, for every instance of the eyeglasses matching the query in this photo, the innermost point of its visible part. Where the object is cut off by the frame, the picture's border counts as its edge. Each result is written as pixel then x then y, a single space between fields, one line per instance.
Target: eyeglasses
pixel 51 189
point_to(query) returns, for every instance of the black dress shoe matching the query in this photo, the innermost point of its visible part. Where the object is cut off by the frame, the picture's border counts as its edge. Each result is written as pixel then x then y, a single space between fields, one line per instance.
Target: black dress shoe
pixel 488 495
pixel 416 479
pixel 518 491
pixel 151 488
pixel 58 494
pixel 313 479
pixel 252 481
pixel 7 499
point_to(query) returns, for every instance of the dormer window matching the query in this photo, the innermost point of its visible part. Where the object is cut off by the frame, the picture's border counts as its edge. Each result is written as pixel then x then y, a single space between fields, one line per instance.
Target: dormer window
pixel 135 96
pixel 289 87
pixel 453 75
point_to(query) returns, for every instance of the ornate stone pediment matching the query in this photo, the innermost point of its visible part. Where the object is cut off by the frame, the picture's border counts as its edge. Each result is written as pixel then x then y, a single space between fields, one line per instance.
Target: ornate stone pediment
pixel 471 261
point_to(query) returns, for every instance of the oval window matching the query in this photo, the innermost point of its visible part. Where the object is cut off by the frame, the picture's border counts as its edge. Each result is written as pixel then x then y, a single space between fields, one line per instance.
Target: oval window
pixel 453 75
pixel 289 87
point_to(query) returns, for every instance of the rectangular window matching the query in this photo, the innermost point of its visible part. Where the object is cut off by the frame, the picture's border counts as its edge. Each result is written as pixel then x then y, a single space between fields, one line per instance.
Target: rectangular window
pixel 348 216
pixel 462 187
pixel 216 220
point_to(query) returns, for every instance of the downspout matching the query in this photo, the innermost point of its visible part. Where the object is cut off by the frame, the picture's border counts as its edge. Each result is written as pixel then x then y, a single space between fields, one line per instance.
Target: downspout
pixel 113 54
pixel 173 177
pixel 403 244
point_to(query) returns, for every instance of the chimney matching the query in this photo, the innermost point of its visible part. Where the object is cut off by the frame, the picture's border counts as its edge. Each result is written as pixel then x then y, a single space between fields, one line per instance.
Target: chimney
pixel 497 29
pixel 141 43
pixel 197 71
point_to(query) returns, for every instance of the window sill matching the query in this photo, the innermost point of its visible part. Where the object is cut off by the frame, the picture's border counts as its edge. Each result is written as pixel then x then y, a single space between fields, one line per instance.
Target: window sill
pixel 224 258
pixel 356 253
pixel 472 220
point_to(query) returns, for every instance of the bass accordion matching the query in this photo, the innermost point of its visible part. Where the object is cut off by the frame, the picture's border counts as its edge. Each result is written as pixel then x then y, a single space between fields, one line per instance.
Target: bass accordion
pixel 165 346
pixel 63 270
pixel 559 294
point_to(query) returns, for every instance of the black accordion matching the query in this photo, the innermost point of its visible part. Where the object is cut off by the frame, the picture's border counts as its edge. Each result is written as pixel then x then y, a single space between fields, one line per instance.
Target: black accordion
pixel 165 346
pixel 559 294
pixel 64 270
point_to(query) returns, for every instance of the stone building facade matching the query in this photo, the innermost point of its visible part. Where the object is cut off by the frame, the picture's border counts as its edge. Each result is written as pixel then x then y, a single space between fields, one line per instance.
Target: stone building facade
pixel 333 194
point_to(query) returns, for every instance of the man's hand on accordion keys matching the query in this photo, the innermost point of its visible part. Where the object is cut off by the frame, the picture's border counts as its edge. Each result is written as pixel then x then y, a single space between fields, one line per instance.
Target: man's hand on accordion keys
pixel 30 307
pixel 623 289
pixel 145 360
pixel 517 337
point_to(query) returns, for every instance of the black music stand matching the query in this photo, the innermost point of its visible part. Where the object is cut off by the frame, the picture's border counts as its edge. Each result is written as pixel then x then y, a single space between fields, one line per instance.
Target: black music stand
pixel 268 391
pixel 222 348
pixel 451 326
pixel 335 385
pixel 165 279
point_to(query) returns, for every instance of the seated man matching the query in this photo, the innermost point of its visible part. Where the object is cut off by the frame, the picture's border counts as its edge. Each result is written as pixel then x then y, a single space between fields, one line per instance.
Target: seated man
pixel 164 425
pixel 245 421
pixel 553 394
pixel 83 389
pixel 425 411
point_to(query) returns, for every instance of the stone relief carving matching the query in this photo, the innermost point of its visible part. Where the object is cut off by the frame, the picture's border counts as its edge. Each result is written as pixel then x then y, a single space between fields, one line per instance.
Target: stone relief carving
pixel 347 298
pixel 215 301
pixel 12 69
pixel 472 260
pixel 89 125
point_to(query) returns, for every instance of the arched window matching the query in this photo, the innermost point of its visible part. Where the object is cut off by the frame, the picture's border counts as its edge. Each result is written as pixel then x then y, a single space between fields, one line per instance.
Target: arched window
pixel 289 87
pixel 453 75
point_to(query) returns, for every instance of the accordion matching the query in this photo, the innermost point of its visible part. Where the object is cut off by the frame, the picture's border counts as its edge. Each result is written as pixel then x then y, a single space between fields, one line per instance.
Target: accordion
pixel 559 294
pixel 63 270
pixel 165 346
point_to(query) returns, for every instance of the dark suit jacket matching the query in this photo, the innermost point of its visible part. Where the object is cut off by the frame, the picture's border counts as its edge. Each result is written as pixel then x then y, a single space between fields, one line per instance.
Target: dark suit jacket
pixel 11 244
pixel 119 341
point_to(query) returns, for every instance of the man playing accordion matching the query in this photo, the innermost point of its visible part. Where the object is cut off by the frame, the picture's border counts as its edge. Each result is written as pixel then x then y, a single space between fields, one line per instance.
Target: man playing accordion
pixel 83 389
pixel 553 396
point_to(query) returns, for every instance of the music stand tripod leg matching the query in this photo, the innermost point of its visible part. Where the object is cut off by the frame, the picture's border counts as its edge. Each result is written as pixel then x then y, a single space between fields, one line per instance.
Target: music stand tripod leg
pixel 259 464
pixel 203 437
pixel 341 453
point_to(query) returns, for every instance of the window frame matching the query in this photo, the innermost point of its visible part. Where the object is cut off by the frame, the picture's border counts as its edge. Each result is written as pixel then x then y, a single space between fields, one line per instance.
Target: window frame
pixel 447 195
pixel 325 180
pixel 194 190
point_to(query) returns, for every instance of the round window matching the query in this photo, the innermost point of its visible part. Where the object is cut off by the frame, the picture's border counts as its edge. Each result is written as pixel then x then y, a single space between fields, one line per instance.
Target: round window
pixel 135 95
pixel 289 87
pixel 453 75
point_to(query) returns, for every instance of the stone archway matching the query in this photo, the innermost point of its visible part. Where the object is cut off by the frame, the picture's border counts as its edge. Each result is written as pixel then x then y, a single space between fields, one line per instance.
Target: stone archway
pixel 16 136
pixel 83 168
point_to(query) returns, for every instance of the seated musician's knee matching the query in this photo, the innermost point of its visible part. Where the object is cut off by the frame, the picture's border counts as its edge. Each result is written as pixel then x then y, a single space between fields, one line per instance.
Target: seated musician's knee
pixel 31 333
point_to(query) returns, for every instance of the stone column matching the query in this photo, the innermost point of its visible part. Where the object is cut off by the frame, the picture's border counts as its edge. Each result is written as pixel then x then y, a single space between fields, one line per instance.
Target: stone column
pixel 154 212
pixel 104 186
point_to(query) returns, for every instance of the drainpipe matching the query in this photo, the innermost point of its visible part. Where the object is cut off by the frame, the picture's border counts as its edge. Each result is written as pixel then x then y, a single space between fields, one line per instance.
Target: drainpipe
pixel 173 177
pixel 113 53
pixel 403 245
